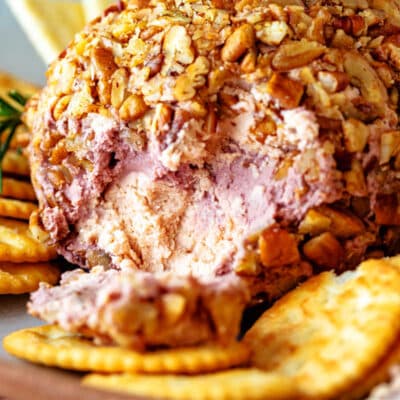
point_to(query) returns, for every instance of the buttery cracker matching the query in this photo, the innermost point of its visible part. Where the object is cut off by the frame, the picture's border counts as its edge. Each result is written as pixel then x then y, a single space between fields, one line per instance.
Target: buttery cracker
pixel 18 245
pixel 332 330
pixel 25 277
pixel 50 345
pixel 16 208
pixel 250 384
pixel 16 189
pixel 14 162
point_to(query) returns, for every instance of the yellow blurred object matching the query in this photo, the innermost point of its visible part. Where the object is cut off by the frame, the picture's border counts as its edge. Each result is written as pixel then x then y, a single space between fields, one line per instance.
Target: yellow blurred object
pixel 94 8
pixel 50 25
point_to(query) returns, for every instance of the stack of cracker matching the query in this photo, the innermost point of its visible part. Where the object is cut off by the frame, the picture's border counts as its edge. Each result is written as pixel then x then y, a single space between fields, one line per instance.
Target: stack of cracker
pixel 334 337
pixel 24 261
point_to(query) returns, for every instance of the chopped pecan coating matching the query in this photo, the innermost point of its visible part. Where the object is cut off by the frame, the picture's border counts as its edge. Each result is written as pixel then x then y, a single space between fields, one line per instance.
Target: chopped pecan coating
pixel 325 251
pixel 277 247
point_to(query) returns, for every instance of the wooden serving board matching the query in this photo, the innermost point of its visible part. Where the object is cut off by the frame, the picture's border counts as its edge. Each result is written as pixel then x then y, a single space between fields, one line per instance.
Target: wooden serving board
pixel 21 381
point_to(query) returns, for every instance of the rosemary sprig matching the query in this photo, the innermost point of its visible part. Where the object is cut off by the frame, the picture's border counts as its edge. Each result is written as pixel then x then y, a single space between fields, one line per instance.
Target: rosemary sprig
pixel 10 119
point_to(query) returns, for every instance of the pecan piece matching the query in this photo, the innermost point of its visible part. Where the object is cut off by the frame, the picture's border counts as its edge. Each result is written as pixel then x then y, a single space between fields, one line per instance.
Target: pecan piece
pixel 277 247
pixel 356 135
pixel 248 265
pixel 238 43
pixel 365 77
pixel 387 210
pixel 325 251
pixel 177 46
pixel 333 81
pixel 132 108
pixel 296 54
pixel 343 223
pixel 390 146
pixel 161 120
pixel 273 33
pixel 174 305
pixel 103 60
pixel 355 179
pixel 353 25
pixel 119 86
pixel 287 91
pixel 61 106
pixel 314 223
pixel 184 89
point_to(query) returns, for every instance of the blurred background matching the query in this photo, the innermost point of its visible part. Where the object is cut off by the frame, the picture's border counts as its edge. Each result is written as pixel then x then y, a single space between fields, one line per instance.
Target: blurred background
pixel 18 56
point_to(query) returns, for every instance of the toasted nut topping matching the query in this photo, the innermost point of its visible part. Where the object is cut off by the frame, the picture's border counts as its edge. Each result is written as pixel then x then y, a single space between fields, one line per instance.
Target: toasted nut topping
pixel 238 43
pixel 356 135
pixel 364 76
pixel 387 210
pixel 103 60
pixel 296 54
pixel 272 33
pixel 277 247
pixel 216 79
pixel 198 69
pixel 37 229
pixel 59 153
pixel 66 73
pixel 184 89
pixel 390 146
pixel 333 81
pixel 342 41
pixel 355 179
pixel 314 223
pixel 211 123
pixel 287 91
pixel 61 106
pixel 284 167
pixel 162 119
pixel 249 62
pixel 177 46
pixel 119 86
pixel 325 251
pixel 79 104
pixel 352 25
pixel 174 307
pixel 343 223
pixel 192 79
pixel 132 108
pixel 248 265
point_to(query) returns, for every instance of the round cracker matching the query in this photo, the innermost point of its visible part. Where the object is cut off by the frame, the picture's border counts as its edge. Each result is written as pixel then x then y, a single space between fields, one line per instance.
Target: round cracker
pixel 380 373
pixel 50 345
pixel 15 163
pixel 18 245
pixel 18 189
pixel 328 333
pixel 250 384
pixel 25 278
pixel 16 208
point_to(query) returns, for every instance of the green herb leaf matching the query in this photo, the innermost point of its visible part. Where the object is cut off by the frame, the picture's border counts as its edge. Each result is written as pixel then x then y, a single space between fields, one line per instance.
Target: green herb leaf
pixel 10 119
pixel 7 110
pixel 18 97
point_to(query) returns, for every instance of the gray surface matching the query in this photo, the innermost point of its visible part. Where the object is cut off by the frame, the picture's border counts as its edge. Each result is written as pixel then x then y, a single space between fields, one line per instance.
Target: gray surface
pixel 17 55
pixel 13 317
pixel 19 58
